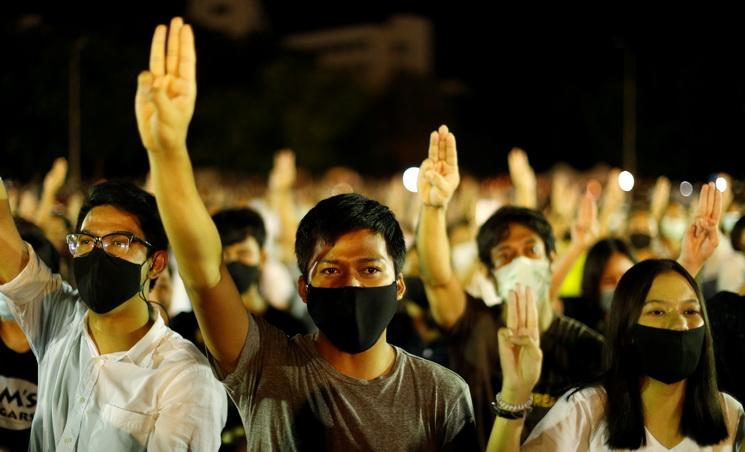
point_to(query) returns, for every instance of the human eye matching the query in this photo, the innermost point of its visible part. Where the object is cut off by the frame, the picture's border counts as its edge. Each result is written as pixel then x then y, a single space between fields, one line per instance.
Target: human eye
pixel 371 270
pixel 329 271
pixel 693 311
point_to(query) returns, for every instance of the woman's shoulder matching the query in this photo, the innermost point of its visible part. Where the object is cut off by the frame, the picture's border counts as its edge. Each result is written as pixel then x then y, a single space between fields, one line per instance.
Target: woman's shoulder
pixel 732 408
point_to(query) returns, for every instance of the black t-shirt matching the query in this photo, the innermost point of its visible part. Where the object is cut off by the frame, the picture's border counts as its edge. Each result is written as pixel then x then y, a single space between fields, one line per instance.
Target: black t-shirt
pixel 585 311
pixel 572 355
pixel 18 378
pixel 727 322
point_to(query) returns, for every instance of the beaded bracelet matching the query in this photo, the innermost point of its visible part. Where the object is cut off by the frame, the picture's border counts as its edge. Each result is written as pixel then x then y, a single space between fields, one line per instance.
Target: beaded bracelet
pixel 507 414
pixel 502 405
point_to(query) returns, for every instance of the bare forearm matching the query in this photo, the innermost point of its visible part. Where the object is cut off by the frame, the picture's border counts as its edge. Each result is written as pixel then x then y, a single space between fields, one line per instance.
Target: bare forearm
pixel 283 204
pixel 433 246
pixel 190 229
pixel 505 435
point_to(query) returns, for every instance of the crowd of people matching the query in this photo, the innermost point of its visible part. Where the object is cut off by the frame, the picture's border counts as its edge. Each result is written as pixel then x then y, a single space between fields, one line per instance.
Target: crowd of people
pixel 199 310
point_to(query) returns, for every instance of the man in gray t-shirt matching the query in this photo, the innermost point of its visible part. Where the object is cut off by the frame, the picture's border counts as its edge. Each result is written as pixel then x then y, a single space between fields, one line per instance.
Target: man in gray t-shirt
pixel 290 398
pixel 344 388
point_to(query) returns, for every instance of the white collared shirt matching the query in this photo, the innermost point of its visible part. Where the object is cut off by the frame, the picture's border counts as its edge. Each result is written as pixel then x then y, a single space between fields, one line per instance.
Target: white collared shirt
pixel 158 395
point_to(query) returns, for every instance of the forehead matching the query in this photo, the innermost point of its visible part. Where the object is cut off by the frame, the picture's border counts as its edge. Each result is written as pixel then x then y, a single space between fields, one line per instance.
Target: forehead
pixel 519 235
pixel 249 243
pixel 105 219
pixel 362 244
pixel 671 287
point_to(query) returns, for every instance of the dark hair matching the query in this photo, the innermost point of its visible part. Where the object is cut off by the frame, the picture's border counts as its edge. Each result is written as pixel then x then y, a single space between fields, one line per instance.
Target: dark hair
pixel 703 418
pixel 236 225
pixel 597 259
pixel 42 246
pixel 341 214
pixel 736 234
pixel 497 228
pixel 130 198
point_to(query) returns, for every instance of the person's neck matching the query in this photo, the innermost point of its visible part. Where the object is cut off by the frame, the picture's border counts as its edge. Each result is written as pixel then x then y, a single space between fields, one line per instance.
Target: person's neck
pixel 120 329
pixel 374 362
pixel 663 409
pixel 13 337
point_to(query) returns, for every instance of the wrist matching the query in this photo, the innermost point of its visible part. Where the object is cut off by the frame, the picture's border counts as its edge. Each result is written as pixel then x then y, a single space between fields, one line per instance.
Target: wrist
pixel 434 206
pixel 515 396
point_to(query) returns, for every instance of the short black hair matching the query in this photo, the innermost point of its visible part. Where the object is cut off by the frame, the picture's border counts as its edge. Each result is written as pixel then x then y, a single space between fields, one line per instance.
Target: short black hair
pixel 703 419
pixel 497 228
pixel 42 246
pixel 126 196
pixel 236 225
pixel 341 214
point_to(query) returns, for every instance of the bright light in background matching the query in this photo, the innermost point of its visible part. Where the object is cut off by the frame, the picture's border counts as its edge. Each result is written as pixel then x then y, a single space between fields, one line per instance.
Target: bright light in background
pixel 686 188
pixel 626 181
pixel 721 184
pixel 411 175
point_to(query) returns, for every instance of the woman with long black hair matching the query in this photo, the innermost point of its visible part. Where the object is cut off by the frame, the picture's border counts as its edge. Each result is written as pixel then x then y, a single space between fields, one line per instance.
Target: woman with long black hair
pixel 660 391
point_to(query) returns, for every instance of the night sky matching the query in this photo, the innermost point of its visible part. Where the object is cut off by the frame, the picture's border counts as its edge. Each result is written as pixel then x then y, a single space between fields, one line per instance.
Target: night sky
pixel 553 87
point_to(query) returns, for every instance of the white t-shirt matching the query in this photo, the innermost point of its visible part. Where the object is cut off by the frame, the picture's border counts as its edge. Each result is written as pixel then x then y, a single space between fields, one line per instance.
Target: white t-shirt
pixel 577 424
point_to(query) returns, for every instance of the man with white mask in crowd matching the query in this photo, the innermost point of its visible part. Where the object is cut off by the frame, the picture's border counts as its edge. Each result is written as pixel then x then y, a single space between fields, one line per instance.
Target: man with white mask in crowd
pixel 515 245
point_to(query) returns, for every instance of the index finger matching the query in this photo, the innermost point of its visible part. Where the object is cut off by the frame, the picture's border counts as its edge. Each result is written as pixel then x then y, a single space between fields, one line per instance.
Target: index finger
pixel 433 139
pixel 512 311
pixel 157 51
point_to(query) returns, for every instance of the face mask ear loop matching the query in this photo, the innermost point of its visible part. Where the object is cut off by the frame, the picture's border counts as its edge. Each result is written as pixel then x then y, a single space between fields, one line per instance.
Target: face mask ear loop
pixel 141 293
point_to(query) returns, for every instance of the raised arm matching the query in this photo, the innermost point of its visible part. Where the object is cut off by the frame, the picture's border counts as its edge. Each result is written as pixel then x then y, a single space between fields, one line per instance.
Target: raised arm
pixel 164 106
pixel 523 178
pixel 13 253
pixel 53 181
pixel 280 196
pixel 520 356
pixel 702 237
pixel 438 179
pixel 584 233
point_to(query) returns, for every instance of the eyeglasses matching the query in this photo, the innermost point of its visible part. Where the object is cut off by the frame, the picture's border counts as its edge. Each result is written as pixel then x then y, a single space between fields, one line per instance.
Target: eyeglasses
pixel 116 244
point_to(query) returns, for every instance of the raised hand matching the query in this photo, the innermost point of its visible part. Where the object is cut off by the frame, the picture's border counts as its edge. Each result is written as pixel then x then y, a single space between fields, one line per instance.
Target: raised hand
pixel 165 98
pixel 520 354
pixel 701 237
pixel 282 176
pixel 55 178
pixel 523 177
pixel 438 174
pixel 585 227
pixel 660 197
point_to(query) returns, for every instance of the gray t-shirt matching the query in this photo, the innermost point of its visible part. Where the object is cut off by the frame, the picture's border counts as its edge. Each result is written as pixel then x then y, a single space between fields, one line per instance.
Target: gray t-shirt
pixel 290 398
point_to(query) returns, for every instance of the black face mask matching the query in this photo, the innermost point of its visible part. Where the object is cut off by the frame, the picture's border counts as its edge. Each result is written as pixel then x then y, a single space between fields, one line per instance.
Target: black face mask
pixel 352 318
pixel 668 355
pixel 104 281
pixel 244 276
pixel 640 240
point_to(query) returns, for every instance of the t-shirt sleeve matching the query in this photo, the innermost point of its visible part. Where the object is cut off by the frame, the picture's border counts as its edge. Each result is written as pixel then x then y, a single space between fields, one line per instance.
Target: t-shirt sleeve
pixel 41 302
pixel 460 426
pixel 264 346
pixel 569 424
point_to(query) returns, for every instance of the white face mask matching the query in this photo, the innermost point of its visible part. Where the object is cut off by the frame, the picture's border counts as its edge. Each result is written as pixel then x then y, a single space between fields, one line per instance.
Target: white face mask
pixel 533 273
pixel 728 221
pixel 673 228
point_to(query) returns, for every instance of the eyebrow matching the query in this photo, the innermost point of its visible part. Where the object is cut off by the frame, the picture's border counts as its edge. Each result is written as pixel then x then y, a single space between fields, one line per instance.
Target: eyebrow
pixel 692 301
pixel 86 231
pixel 361 260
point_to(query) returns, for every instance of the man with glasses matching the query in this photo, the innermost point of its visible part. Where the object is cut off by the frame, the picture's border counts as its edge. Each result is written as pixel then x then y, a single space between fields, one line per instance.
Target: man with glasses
pixel 112 376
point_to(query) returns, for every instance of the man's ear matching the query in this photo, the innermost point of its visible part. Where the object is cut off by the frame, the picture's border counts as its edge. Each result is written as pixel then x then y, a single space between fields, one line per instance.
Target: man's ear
pixel 160 262
pixel 262 259
pixel 302 289
pixel 552 261
pixel 400 287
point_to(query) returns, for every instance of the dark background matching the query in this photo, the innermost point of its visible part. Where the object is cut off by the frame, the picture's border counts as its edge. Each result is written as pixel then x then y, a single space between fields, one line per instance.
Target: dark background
pixel 551 86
